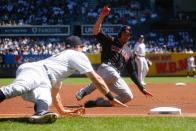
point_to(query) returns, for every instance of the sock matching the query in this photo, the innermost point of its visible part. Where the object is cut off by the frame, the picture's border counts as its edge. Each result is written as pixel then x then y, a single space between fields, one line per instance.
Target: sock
pixel 2 96
pixel 40 106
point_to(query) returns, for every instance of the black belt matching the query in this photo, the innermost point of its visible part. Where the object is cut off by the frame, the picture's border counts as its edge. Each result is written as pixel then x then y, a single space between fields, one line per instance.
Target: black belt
pixel 140 55
pixel 48 74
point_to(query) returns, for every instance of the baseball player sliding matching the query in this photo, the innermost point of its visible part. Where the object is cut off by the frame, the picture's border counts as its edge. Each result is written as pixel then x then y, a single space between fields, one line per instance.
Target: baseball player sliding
pixel 40 82
pixel 114 58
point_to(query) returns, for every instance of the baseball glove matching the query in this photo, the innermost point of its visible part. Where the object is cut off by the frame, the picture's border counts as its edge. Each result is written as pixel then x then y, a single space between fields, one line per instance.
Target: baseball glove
pixel 76 112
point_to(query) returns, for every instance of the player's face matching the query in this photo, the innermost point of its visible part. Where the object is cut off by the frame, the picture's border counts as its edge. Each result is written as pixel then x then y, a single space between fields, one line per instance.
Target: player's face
pixel 125 36
pixel 78 48
pixel 141 40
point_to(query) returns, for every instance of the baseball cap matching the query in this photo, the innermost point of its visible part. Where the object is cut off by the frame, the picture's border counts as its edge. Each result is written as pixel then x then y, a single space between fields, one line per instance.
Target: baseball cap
pixel 141 37
pixel 125 28
pixel 73 41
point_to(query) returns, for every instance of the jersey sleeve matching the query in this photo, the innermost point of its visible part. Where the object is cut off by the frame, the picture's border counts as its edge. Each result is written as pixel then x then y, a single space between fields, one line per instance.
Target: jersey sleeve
pixel 103 38
pixel 81 63
pixel 132 72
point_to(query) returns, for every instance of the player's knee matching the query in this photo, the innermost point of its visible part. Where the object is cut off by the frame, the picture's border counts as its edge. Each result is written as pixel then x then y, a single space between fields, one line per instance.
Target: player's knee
pixel 127 97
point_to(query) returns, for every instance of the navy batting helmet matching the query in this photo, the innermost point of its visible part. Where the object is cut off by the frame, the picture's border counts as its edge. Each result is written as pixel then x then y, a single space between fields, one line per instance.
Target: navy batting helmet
pixel 125 28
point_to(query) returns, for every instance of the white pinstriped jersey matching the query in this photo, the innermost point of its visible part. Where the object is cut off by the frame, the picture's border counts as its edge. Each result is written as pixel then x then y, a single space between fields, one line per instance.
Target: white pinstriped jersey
pixel 66 63
pixel 34 80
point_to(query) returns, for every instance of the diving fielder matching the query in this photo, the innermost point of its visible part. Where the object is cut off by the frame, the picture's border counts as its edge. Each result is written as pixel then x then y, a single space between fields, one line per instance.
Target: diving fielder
pixel 40 82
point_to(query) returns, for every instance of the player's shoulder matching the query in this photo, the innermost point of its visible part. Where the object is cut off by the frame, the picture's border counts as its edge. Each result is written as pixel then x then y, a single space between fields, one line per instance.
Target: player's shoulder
pixel 74 53
pixel 71 51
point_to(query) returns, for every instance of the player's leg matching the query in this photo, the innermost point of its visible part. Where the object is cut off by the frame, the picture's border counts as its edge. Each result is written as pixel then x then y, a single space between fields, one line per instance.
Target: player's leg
pixel 145 70
pixel 42 99
pixel 139 64
pixel 187 74
pixel 2 96
pixel 17 88
pixel 193 70
pixel 121 89
pixel 22 84
pixel 85 91
pixel 188 71
pixel 108 73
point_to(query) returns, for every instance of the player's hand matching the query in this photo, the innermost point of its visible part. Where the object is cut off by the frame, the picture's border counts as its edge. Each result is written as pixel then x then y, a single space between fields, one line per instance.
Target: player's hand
pixel 74 112
pixel 149 62
pixel 105 11
pixel 147 93
pixel 116 102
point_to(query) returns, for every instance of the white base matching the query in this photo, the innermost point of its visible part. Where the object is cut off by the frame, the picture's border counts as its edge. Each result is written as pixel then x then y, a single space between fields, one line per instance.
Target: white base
pixel 180 84
pixel 165 110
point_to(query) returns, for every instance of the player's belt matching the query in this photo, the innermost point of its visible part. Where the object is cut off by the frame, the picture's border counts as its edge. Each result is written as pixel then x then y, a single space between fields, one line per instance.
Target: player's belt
pixel 47 71
pixel 141 55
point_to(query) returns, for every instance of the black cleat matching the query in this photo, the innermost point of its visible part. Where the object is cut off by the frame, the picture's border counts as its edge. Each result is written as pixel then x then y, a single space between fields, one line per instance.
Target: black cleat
pixel 43 118
pixel 90 104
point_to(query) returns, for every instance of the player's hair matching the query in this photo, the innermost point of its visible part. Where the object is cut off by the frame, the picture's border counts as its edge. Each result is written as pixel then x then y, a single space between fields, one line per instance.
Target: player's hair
pixel 125 28
pixel 73 41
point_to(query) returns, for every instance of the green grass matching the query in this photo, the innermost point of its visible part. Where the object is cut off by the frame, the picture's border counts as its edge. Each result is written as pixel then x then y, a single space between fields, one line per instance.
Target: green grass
pixel 84 80
pixel 150 123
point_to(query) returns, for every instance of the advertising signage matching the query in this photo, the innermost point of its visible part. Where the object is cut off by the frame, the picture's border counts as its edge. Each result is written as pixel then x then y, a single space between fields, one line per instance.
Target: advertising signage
pixel 41 30
pixel 109 29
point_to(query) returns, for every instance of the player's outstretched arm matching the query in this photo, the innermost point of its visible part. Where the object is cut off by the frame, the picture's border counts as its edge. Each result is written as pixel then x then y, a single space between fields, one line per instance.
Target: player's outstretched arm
pixel 59 106
pixel 116 102
pixel 134 77
pixel 103 88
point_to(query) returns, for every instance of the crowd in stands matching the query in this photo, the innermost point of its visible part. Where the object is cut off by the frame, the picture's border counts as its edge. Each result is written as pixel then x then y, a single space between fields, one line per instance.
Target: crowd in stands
pixel 40 46
pixel 180 42
pixel 155 43
pixel 51 12
pixel 54 12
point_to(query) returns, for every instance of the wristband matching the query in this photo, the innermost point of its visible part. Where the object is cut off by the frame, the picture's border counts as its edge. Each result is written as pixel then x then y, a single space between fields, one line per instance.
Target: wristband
pixel 109 96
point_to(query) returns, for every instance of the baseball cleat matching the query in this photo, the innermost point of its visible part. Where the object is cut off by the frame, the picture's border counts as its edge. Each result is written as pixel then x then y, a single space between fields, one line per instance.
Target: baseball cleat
pixel 80 95
pixel 143 83
pixel 90 104
pixel 43 118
